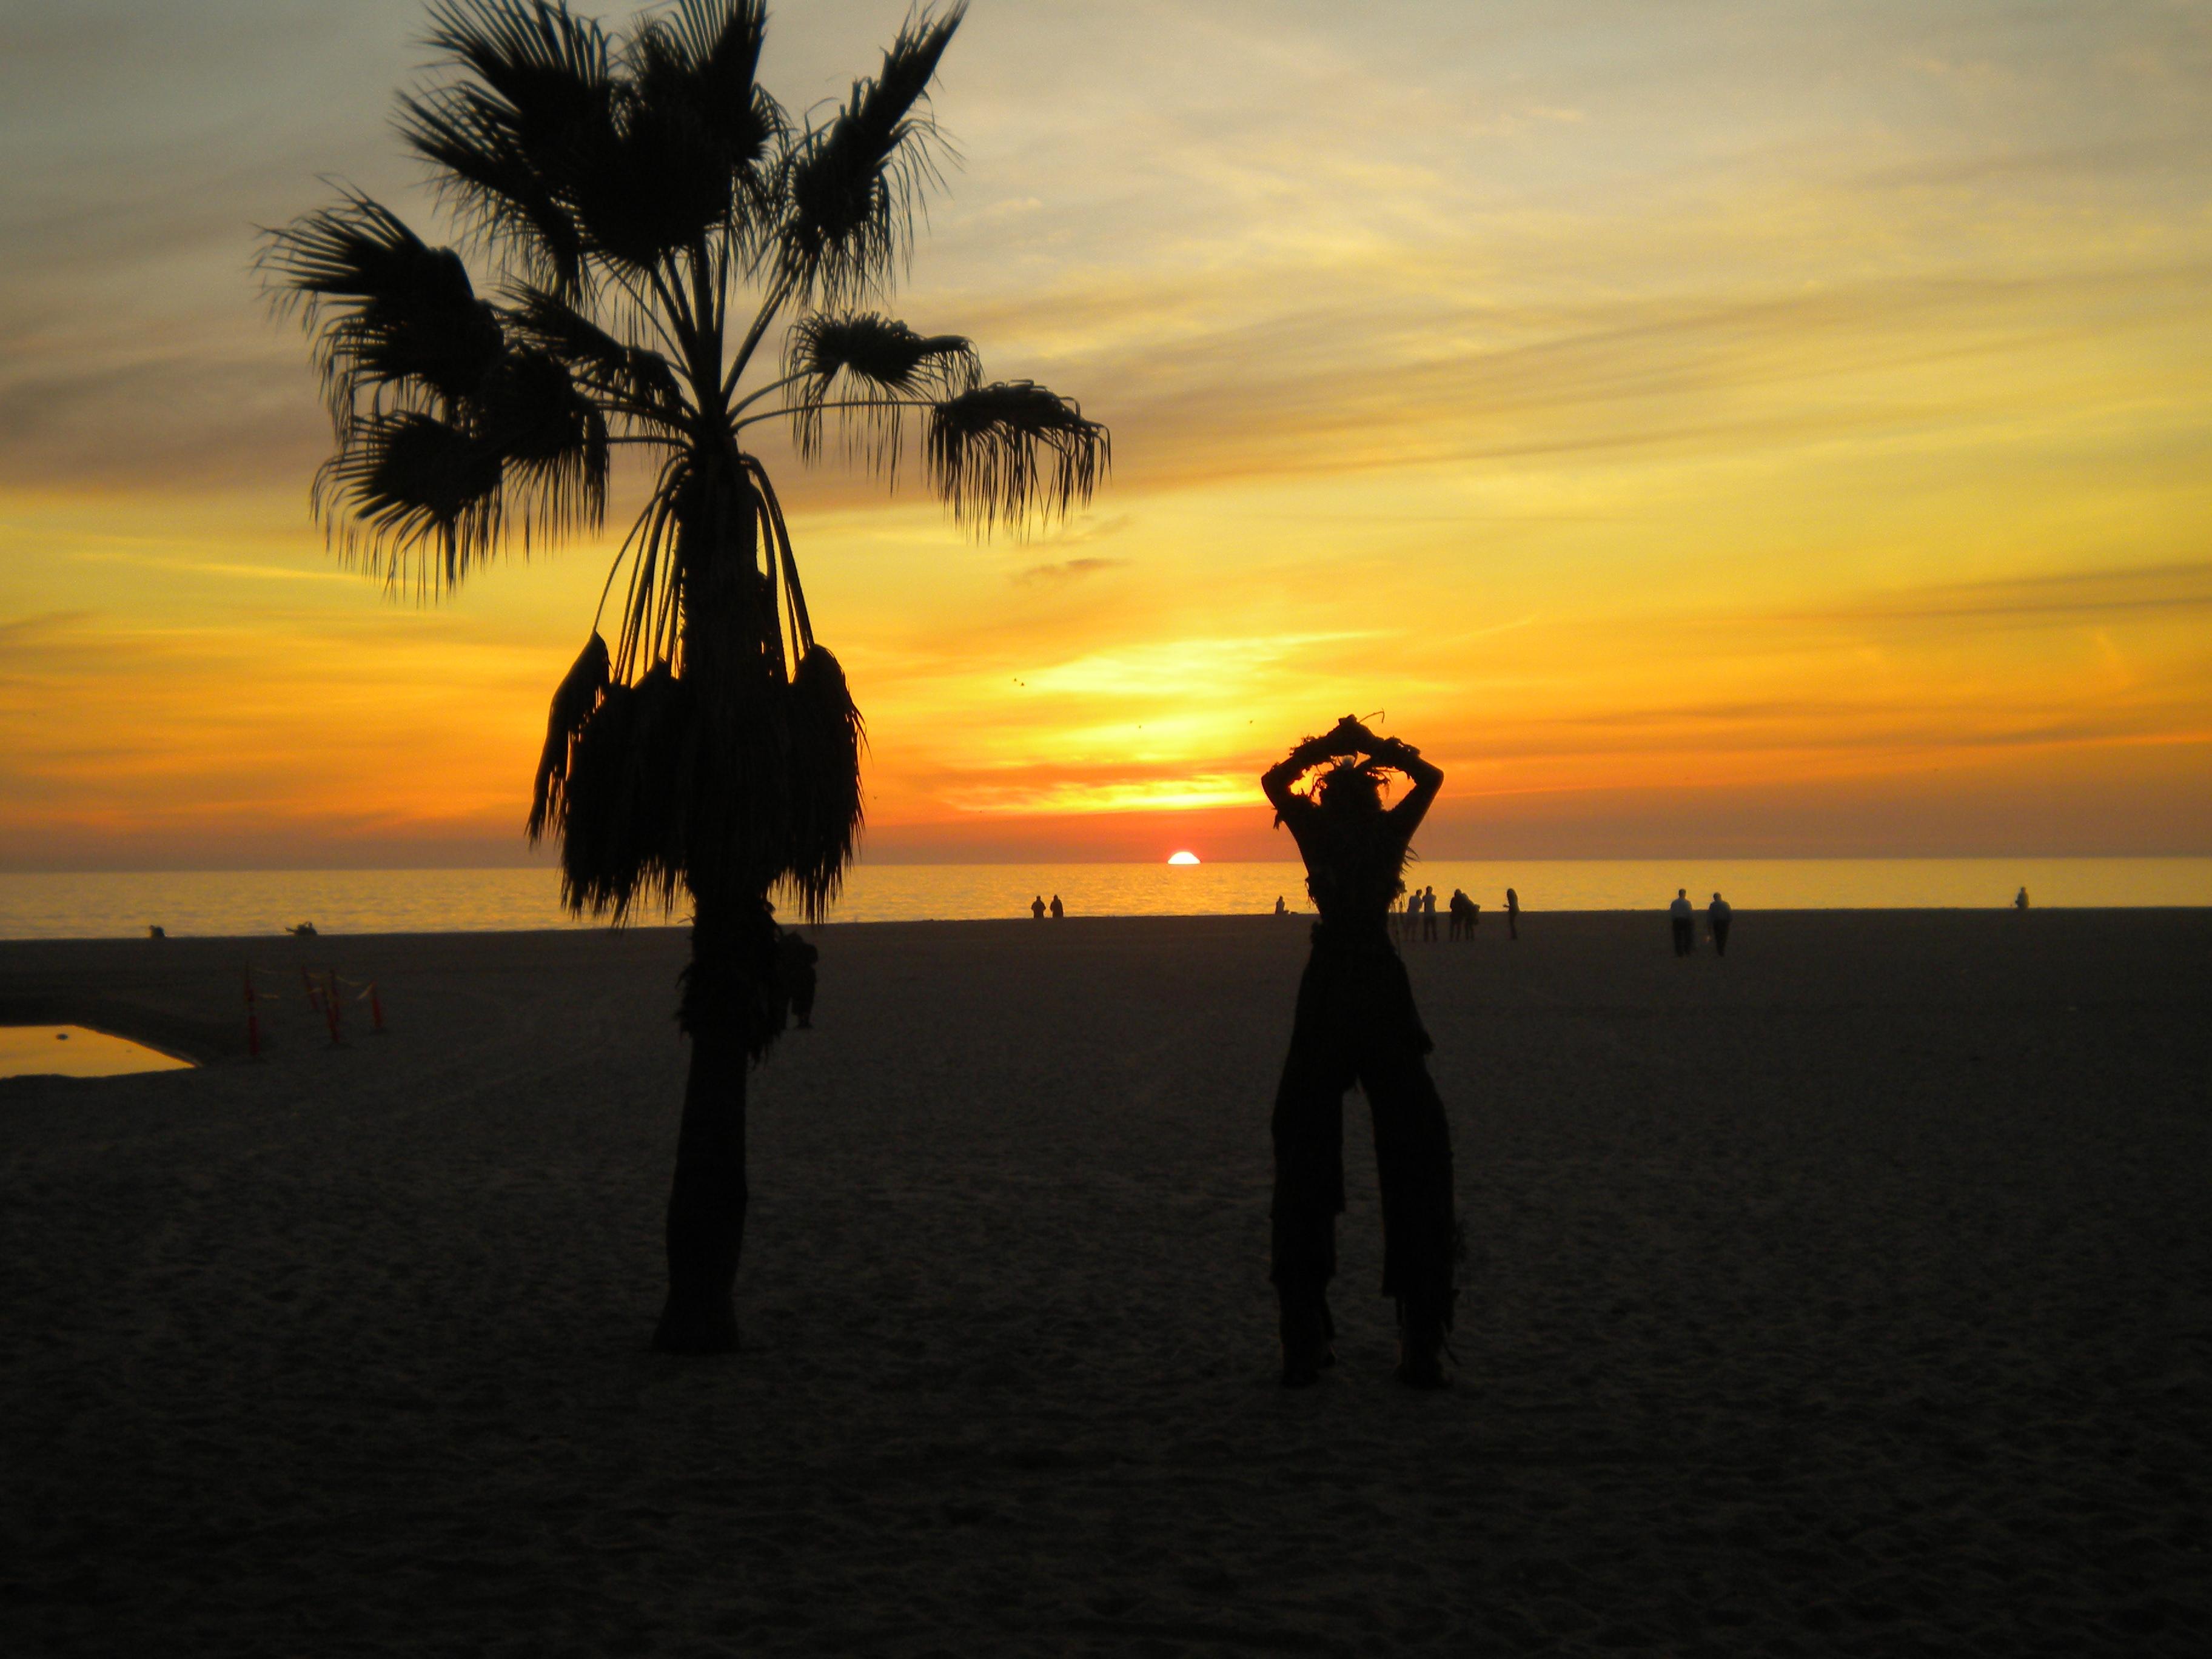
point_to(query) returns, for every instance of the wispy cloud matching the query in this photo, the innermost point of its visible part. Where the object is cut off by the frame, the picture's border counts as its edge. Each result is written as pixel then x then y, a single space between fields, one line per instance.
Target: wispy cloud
pixel 1067 570
pixel 2174 591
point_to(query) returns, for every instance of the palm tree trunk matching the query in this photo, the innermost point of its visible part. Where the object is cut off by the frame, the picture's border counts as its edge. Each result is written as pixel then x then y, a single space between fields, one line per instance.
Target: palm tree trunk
pixel 726 989
pixel 732 947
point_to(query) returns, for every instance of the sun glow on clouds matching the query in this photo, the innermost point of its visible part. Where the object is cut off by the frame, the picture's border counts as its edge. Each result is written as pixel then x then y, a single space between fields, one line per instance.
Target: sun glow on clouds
pixel 1779 430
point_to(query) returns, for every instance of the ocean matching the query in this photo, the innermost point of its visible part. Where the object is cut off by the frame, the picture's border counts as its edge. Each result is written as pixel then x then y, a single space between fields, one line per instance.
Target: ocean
pixel 244 902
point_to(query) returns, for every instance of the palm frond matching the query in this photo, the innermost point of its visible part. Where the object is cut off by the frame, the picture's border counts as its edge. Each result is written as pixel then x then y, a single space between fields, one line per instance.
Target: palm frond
pixel 550 436
pixel 483 170
pixel 412 495
pixel 574 701
pixel 853 184
pixel 656 184
pixel 550 69
pixel 652 614
pixel 881 351
pixel 392 316
pixel 826 735
pixel 550 122
pixel 1007 452
pixel 880 364
pixel 706 56
pixel 624 799
pixel 639 382
pixel 537 109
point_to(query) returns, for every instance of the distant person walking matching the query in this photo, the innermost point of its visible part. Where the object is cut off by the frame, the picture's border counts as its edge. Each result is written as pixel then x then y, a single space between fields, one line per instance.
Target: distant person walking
pixel 1057 912
pixel 1036 907
pixel 1512 913
pixel 1428 913
pixel 1686 922
pixel 1718 915
pixel 1355 1022
pixel 2020 900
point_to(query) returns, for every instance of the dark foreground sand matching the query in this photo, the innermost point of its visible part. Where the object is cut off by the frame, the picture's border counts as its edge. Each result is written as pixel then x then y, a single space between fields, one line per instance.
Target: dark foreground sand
pixel 1852 1295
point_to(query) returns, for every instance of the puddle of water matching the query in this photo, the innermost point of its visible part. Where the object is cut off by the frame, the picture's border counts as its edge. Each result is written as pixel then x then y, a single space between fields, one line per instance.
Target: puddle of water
pixel 74 1051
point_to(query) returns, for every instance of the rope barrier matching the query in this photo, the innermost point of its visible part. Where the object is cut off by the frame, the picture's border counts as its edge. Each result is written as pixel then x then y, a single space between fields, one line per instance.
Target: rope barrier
pixel 325 1001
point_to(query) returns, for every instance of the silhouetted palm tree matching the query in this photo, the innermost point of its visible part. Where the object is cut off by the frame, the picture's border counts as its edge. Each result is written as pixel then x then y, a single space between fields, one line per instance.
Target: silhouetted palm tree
pixel 650 214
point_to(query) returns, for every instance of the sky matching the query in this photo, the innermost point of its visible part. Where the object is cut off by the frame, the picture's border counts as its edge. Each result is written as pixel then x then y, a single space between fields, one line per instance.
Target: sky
pixel 1723 429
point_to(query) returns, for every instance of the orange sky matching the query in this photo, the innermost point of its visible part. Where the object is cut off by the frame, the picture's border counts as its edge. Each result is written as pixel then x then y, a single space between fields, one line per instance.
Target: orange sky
pixel 1784 433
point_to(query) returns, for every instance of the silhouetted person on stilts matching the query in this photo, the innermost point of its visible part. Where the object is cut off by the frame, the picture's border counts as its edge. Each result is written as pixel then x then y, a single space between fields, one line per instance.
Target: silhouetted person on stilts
pixel 1356 1023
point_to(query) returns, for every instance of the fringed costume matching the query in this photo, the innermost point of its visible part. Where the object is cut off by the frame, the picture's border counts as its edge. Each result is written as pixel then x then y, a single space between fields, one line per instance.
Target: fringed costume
pixel 1356 1023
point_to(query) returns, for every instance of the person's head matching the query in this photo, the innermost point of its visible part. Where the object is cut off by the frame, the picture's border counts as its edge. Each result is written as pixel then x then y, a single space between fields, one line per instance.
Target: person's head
pixel 1716 898
pixel 1681 892
pixel 1349 790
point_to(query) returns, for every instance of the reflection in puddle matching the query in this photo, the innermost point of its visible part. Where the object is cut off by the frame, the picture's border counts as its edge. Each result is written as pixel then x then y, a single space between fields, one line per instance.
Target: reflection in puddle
pixel 74 1051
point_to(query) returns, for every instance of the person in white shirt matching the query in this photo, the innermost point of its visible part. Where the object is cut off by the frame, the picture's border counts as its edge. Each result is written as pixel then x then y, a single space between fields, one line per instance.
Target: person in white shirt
pixel 1685 920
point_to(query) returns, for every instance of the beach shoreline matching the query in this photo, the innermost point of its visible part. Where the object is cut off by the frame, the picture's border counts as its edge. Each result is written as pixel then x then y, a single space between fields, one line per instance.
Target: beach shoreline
pixel 1850 1294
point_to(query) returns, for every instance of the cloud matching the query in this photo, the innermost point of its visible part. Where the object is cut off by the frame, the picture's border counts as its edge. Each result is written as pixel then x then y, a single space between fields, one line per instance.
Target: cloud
pixel 2062 598
pixel 1066 571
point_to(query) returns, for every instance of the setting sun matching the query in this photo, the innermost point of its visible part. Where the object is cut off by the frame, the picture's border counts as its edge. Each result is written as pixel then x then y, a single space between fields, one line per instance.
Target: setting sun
pixel 1182 857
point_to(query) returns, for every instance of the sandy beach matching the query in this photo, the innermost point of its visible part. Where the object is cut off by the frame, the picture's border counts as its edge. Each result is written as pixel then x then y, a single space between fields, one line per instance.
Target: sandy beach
pixel 1852 1295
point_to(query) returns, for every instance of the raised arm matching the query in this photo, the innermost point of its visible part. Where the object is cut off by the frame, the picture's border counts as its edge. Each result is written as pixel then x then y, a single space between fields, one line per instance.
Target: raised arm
pixel 1427 779
pixel 1277 780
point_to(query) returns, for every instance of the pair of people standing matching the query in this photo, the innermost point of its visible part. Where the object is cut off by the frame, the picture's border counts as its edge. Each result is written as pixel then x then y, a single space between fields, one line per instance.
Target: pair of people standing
pixel 1466 915
pixel 1421 913
pixel 1684 918
pixel 1418 920
pixel 1355 1022
pixel 1037 907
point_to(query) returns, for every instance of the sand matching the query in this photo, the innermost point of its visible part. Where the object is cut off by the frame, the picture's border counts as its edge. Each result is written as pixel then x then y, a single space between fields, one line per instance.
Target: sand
pixel 1850 1296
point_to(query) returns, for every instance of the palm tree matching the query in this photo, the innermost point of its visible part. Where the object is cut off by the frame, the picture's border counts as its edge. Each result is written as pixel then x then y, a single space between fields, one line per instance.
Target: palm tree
pixel 649 215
